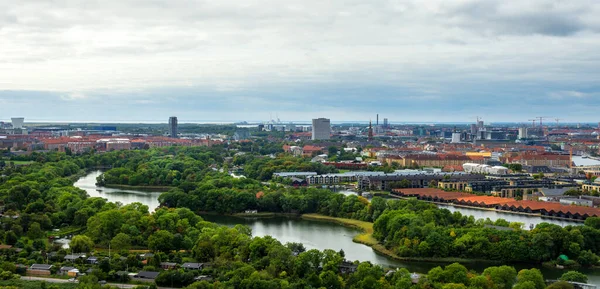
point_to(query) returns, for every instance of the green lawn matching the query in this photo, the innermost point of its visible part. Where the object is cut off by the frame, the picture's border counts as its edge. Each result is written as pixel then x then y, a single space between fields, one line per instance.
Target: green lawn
pixel 19 163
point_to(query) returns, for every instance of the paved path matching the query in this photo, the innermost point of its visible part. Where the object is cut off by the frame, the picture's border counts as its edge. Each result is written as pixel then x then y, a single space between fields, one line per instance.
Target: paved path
pixel 55 280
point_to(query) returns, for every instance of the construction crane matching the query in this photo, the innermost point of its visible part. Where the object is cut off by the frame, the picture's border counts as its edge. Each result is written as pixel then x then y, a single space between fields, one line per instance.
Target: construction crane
pixel 532 122
pixel 557 120
pixel 541 118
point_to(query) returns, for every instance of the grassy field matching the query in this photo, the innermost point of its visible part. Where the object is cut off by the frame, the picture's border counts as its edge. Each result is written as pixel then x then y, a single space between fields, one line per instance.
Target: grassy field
pixel 18 163
pixel 24 284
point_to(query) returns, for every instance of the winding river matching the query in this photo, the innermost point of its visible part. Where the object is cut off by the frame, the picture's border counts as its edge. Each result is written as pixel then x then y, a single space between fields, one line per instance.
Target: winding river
pixel 316 234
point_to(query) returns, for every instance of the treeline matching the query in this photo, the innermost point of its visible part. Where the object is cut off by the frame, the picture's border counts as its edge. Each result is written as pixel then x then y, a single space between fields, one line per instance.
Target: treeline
pixel 408 228
pixel 413 232
pixel 158 167
pixel 228 195
pixel 263 262
pixel 262 168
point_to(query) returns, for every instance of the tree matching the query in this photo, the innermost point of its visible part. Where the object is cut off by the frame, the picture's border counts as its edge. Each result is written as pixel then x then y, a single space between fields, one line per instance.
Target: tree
pixel 574 276
pixel 436 275
pixel 587 258
pixel 531 275
pixel 10 238
pixel 121 241
pixel 454 286
pixel 504 276
pixel 81 244
pixel 161 240
pixel 456 273
pixel 331 280
pixel 593 222
pixel 481 282
pixel 525 285
pixel 35 231
pixel 332 150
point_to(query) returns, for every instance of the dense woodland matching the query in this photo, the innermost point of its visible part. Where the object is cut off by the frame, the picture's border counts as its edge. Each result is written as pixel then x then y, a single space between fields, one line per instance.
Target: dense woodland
pixel 40 197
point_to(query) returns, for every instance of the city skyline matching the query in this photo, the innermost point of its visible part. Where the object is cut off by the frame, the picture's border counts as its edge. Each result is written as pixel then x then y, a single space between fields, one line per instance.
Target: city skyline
pixel 412 61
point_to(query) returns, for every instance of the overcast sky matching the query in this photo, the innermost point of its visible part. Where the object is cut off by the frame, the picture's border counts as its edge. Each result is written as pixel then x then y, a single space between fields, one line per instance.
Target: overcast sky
pixel 222 60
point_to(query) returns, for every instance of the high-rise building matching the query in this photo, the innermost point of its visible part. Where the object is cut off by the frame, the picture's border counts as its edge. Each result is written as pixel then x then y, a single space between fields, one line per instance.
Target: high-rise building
pixel 522 132
pixel 17 122
pixel 377 122
pixel 385 123
pixel 321 128
pixel 173 126
pixel 480 124
pixel 455 137
pixel 473 129
pixel 370 131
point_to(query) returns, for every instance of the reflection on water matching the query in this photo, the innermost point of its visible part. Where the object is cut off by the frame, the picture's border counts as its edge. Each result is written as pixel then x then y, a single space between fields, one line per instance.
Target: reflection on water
pixel 317 235
pixel 510 217
pixel 88 183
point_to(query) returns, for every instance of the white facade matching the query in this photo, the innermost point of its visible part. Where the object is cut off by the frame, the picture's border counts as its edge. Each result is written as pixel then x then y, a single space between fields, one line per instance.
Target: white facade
pixel 321 128
pixel 455 137
pixel 522 132
pixel 17 122
pixel 484 169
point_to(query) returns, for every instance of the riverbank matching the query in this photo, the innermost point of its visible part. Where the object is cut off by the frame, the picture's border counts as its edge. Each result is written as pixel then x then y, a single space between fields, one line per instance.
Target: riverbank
pixel 535 215
pixel 366 238
pixel 263 215
pixel 139 188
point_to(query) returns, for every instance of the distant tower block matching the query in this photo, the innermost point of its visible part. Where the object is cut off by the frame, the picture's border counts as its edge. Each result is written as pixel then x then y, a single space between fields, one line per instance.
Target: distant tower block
pixel 385 123
pixel 173 127
pixel 17 122
pixel 321 128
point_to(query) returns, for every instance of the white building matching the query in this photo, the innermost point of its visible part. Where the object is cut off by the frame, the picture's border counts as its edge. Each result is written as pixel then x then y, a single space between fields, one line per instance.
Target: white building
pixel 17 122
pixel 455 137
pixel 321 128
pixel 522 132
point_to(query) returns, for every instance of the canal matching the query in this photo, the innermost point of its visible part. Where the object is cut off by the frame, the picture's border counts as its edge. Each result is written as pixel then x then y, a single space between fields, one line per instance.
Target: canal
pixel 316 234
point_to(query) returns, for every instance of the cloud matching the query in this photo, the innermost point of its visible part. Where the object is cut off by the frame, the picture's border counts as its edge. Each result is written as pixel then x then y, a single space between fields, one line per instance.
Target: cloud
pixel 73 96
pixel 569 94
pixel 341 55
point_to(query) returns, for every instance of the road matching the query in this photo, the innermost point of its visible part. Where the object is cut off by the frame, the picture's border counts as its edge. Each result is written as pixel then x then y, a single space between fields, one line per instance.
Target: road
pixel 54 280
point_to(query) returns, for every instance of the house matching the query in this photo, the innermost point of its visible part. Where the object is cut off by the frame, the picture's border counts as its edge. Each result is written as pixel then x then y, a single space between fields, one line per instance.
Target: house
pixel 168 265
pixel 192 266
pixel 74 257
pixel 347 267
pixel 39 269
pixel 296 182
pixel 64 270
pixel 146 276
pixel 92 260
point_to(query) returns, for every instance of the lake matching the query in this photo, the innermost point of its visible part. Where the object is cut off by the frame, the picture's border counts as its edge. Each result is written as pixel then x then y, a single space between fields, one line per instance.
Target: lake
pixel 316 234
pixel 88 184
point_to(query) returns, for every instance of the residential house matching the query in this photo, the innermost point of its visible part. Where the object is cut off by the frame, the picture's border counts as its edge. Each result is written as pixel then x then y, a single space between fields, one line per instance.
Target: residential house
pixel 192 266
pixel 168 265
pixel 39 269
pixel 146 276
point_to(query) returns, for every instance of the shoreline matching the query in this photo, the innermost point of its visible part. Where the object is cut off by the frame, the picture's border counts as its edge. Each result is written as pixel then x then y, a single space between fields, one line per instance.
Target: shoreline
pixel 492 210
pixel 366 238
pixel 148 189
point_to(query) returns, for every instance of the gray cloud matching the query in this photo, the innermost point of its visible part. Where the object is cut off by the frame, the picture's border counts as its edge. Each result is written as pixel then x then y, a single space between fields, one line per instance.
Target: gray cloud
pixel 353 50
pixel 553 18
